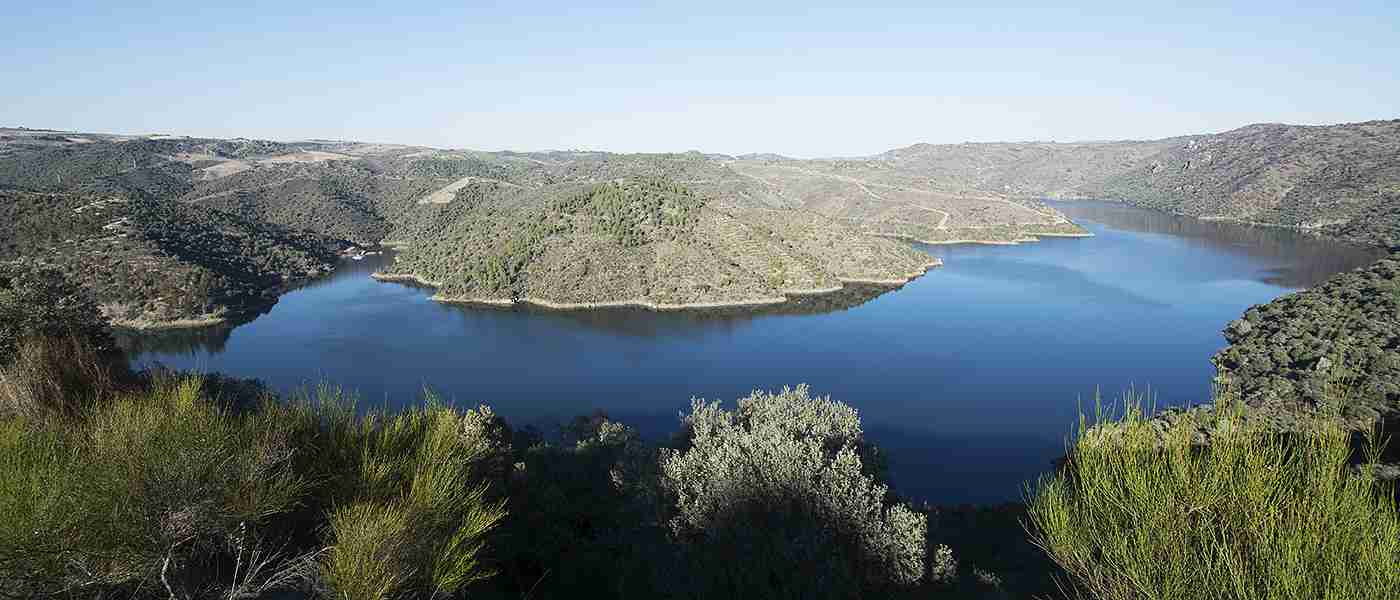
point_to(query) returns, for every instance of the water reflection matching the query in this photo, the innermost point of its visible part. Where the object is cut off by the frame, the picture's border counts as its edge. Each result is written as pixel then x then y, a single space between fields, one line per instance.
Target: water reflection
pixel 643 323
pixel 193 341
pixel 1298 259
pixel 189 341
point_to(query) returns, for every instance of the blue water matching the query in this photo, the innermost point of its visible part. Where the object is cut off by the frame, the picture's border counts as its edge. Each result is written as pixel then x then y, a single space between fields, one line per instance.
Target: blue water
pixel 970 377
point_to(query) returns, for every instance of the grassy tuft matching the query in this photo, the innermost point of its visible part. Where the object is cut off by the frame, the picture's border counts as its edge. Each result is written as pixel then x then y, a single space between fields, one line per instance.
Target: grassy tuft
pixel 422 509
pixel 1142 511
pixel 169 490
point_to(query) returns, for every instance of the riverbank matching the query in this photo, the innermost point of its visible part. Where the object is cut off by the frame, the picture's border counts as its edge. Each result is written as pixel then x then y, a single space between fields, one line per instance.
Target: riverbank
pixel 1008 237
pixel 787 295
pixel 228 314
pixel 1015 242
pixel 149 326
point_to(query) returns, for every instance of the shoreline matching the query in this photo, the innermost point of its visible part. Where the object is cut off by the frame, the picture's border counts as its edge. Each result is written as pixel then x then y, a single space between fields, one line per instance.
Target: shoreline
pixel 1029 239
pixel 647 304
pixel 1025 238
pixel 229 314
pixel 144 326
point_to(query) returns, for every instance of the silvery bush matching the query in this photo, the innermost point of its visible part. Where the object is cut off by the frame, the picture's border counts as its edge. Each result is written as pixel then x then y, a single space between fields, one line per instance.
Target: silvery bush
pixel 775 498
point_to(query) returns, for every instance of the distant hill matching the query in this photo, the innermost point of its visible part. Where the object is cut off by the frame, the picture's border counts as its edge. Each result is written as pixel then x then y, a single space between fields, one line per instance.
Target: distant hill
pixel 1336 180
pixel 584 228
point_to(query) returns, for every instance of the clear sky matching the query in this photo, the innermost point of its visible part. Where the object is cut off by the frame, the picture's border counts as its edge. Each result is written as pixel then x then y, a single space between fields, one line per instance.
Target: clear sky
pixel 804 79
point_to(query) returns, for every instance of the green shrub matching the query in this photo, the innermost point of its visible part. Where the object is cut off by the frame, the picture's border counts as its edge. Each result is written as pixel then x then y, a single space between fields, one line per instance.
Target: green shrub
pixel 774 500
pixel 421 510
pixel 1139 512
pixel 172 491
pixel 150 491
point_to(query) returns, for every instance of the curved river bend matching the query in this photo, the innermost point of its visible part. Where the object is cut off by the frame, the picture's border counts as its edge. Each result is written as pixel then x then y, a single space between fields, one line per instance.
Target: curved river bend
pixel 969 376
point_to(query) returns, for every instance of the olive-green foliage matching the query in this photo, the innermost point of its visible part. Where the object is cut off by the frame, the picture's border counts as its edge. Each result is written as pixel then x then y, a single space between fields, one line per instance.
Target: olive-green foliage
pixel 37 300
pixel 337 199
pixel 636 211
pixel 54 377
pixel 1286 353
pixel 1336 179
pixel 1254 515
pixel 136 168
pixel 774 500
pixel 155 259
pixel 485 248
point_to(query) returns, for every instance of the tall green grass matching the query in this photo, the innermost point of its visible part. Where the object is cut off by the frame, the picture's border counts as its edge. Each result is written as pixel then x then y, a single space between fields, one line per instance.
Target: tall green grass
pixel 1142 512
pixel 168 490
pixel 419 510
pixel 146 491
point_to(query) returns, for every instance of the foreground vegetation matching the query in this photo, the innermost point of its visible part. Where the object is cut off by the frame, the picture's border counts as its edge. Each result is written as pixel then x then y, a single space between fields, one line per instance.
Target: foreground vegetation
pixel 1142 512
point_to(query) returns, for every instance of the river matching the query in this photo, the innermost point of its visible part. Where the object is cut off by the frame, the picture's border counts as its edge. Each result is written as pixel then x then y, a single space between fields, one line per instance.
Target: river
pixel 970 377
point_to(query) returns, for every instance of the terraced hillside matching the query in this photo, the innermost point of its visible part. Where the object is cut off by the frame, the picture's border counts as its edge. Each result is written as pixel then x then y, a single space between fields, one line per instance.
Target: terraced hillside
pixel 879 200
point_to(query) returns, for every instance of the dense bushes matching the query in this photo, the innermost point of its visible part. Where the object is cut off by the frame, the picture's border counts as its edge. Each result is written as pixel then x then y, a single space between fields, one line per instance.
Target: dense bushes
pixel 411 514
pixel 193 487
pixel 1283 354
pixel 1140 512
pixel 158 490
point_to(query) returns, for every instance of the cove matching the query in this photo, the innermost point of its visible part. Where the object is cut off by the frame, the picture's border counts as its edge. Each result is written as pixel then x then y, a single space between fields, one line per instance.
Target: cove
pixel 970 377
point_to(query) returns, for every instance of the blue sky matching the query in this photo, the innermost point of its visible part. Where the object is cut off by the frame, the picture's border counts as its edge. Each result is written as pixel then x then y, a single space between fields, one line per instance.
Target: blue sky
pixel 805 79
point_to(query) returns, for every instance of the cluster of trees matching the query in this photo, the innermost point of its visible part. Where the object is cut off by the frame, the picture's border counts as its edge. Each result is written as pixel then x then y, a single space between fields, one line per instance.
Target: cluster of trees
pixel 135 168
pixel 636 211
pixel 485 248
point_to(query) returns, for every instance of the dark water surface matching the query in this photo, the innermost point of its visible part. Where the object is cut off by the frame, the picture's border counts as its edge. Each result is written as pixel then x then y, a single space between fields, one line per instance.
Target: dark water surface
pixel 969 376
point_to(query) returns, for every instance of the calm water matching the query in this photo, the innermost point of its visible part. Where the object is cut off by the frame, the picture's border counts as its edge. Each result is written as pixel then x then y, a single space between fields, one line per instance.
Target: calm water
pixel 969 376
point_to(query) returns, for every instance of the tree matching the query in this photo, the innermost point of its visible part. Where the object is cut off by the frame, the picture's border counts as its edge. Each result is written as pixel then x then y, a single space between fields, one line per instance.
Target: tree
pixel 39 300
